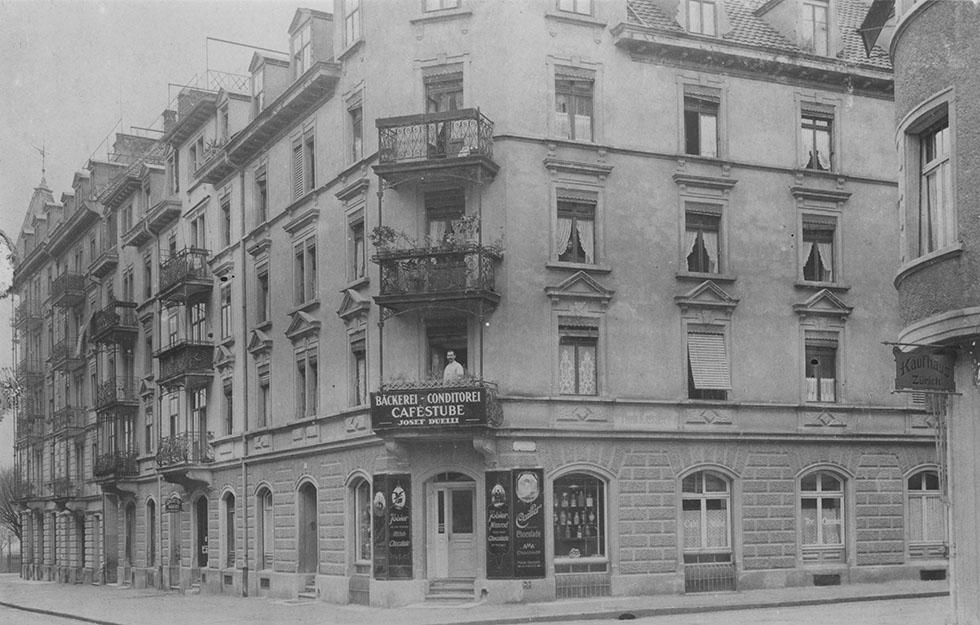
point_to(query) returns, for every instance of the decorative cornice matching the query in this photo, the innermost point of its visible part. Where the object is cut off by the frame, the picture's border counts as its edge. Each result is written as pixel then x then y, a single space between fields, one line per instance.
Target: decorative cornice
pixel 812 194
pixel 579 285
pixel 717 183
pixel 302 325
pixel 353 305
pixel 825 304
pixel 302 220
pixel 706 295
pixel 557 165
pixel 354 189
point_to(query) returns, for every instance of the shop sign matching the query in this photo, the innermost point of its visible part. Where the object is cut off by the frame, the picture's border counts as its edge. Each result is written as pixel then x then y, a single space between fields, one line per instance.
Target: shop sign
pixel 923 370
pixel 500 541
pixel 425 408
pixel 174 503
pixel 391 511
pixel 528 488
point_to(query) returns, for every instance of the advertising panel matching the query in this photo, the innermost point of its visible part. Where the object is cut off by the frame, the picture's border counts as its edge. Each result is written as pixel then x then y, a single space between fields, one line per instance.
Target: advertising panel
pixel 500 540
pixel 528 488
pixel 426 408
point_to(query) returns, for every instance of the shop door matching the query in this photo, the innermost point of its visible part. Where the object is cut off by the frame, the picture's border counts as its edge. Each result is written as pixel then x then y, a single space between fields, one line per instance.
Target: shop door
pixel 452 543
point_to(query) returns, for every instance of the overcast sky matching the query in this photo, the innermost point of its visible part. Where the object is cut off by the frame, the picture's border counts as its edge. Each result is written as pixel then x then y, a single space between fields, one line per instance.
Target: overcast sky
pixel 80 70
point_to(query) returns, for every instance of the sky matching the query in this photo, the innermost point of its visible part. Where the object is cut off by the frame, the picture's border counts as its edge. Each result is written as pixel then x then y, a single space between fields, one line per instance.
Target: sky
pixel 80 70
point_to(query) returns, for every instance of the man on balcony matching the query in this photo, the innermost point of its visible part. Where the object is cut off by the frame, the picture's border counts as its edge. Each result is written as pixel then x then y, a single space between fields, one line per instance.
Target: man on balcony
pixel 453 370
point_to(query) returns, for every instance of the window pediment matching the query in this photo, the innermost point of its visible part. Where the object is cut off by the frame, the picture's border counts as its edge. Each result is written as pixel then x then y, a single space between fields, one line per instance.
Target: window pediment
pixel 354 190
pixel 823 303
pixel 259 343
pixel 706 295
pixel 224 358
pixel 301 221
pixel 598 171
pixel 260 247
pixel 693 183
pixel 814 197
pixel 354 305
pixel 302 325
pixel 580 286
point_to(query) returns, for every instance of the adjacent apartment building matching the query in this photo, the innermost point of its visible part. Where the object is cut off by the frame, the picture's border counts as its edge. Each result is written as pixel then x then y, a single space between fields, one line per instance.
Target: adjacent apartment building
pixel 527 300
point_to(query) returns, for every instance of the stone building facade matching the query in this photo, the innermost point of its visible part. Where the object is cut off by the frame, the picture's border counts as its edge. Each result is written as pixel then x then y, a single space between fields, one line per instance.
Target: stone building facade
pixel 650 236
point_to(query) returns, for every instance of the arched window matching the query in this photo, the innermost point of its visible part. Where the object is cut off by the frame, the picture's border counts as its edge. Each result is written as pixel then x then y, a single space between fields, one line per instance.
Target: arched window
pixel 926 516
pixel 130 529
pixel 266 528
pixel 706 512
pixel 579 519
pixel 361 492
pixel 151 533
pixel 822 516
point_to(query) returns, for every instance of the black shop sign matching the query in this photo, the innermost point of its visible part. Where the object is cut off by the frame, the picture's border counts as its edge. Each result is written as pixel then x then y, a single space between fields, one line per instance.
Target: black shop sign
pixel 391 515
pixel 515 524
pixel 443 408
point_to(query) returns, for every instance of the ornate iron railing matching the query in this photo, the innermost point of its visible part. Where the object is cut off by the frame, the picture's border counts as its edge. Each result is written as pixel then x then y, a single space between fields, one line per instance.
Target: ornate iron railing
pixel 457 269
pixel 115 390
pixel 184 448
pixel 115 316
pixel 62 488
pixel 28 368
pixel 68 285
pixel 68 418
pixel 186 357
pixel 187 264
pixel 453 134
pixel 121 463
pixel 28 311
pixel 63 353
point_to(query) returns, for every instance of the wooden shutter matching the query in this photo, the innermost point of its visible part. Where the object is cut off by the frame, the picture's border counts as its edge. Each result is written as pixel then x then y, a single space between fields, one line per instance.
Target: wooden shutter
pixel 297 169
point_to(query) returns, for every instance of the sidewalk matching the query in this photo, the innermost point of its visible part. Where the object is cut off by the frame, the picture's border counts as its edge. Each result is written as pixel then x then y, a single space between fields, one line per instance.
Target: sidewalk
pixel 113 605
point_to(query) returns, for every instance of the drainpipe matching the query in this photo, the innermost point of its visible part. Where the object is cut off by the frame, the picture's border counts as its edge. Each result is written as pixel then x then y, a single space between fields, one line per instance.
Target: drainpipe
pixel 381 320
pixel 159 533
pixel 244 287
pixel 479 243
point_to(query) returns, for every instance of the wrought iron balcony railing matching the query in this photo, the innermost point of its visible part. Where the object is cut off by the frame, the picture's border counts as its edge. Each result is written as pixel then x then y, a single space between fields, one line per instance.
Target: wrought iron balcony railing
pixel 187 448
pixel 68 420
pixel 119 463
pixel 63 355
pixel 28 313
pixel 185 274
pixel 63 488
pixel 186 363
pixel 116 323
pixel 453 134
pixel 117 390
pixel 29 370
pixel 106 261
pixel 68 289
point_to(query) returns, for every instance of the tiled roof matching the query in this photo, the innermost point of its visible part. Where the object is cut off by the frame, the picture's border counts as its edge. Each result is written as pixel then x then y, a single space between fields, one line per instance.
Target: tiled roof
pixel 752 30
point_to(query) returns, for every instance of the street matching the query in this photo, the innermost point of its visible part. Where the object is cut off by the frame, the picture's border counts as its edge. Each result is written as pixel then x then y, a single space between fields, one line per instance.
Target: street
pixel 12 616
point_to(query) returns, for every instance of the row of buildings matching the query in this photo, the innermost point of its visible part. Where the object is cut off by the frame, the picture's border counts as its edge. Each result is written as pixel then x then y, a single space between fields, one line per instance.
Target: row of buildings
pixel 651 232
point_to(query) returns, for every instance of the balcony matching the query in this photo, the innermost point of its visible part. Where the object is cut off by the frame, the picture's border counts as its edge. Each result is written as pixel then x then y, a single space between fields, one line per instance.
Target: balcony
pixel 68 290
pixel 116 464
pixel 115 392
pixel 436 146
pixel 185 276
pixel 28 314
pixel 29 372
pixel 30 427
pixel 154 221
pixel 460 276
pixel 64 356
pixel 62 488
pixel 106 262
pixel 115 324
pixel 187 364
pixel 68 421
pixel 183 459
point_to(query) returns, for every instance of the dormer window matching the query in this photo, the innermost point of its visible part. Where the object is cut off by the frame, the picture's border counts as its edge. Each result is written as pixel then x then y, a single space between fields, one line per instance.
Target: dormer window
pixel 814 33
pixel 258 91
pixel 701 17
pixel 302 50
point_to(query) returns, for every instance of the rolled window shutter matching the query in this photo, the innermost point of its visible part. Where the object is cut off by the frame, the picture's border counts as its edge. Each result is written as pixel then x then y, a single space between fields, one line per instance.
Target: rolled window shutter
pixel 709 361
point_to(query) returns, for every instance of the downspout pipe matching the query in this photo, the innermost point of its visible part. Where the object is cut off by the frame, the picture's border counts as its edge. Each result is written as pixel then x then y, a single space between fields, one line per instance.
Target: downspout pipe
pixel 244 359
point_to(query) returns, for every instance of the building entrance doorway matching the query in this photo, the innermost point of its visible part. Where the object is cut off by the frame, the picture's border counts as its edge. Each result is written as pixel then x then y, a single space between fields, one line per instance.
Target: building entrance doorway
pixel 308 545
pixel 201 520
pixel 451 531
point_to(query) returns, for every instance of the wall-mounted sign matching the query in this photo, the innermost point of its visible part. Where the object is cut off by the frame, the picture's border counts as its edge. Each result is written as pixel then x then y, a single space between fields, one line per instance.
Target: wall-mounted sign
pixel 391 510
pixel 528 487
pixel 424 408
pixel 174 503
pixel 923 369
pixel 500 540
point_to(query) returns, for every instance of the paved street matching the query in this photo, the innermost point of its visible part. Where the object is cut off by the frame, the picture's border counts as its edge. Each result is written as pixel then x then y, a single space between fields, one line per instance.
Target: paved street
pixel 11 616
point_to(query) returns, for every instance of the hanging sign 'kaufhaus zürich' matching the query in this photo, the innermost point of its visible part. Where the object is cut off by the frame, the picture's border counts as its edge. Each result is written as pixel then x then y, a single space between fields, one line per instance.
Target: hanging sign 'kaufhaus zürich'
pixel 923 369
pixel 436 407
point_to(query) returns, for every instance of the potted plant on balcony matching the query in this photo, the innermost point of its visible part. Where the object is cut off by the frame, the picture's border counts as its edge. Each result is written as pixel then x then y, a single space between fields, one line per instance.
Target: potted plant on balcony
pixel 383 238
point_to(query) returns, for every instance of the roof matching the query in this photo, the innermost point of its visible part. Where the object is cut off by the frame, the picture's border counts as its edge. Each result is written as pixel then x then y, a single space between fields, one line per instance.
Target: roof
pixel 750 28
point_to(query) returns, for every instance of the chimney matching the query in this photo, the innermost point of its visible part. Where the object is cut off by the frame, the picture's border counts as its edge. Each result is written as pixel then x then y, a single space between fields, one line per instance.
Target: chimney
pixel 169 119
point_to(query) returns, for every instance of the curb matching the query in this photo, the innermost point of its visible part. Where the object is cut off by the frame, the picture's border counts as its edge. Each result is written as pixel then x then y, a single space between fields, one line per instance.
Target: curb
pixel 65 615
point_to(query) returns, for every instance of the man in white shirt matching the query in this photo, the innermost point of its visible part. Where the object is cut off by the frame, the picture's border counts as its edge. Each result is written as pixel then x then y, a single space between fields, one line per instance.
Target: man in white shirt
pixel 453 370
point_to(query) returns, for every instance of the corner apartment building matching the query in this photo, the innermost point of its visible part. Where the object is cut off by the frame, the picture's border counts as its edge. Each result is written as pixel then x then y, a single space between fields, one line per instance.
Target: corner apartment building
pixel 649 233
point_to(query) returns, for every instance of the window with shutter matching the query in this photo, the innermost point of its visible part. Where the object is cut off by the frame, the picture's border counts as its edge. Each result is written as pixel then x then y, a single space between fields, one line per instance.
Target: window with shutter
pixel 297 170
pixel 709 375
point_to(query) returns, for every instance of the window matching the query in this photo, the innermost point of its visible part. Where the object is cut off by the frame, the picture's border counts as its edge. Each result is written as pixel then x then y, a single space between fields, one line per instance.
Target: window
pixel 128 288
pixel 265 405
pixel 701 123
pixel 702 248
pixel 577 351
pixel 172 323
pixel 358 364
pixel 816 129
pixel 229 407
pixel 814 31
pixel 701 16
pixel 357 252
pixel 258 91
pixel 442 210
pixel 926 515
pixel 708 373
pixel 936 222
pixel 225 311
pixel 261 196
pixel 304 168
pixel 579 517
pixel 148 428
pixel 575 238
pixel 199 235
pixel 225 206
pixel 582 7
pixel 306 383
pixel 173 171
pixel 266 530
pixel 304 267
pixel 262 302
pixel 147 276
pixel 362 522
pixel 352 21
pixel 301 47
pixel 229 527
pixel 821 370
pixel 198 318
pixel 818 248
pixel 706 517
pixel 356 115
pixel 148 350
pixel 573 104
pixel 440 5
pixel 822 516
pixel 444 92
pixel 443 336
pixel 199 414
pixel 151 533
pixel 196 154
pixel 174 414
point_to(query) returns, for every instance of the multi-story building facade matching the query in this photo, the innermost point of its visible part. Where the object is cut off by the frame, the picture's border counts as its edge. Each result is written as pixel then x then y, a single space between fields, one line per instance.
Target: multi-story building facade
pixel 648 236
pixel 936 94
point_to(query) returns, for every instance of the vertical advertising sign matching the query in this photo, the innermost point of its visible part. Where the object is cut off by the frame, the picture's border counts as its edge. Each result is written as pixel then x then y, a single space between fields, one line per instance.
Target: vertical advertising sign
pixel 379 526
pixel 400 526
pixel 528 500
pixel 500 541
